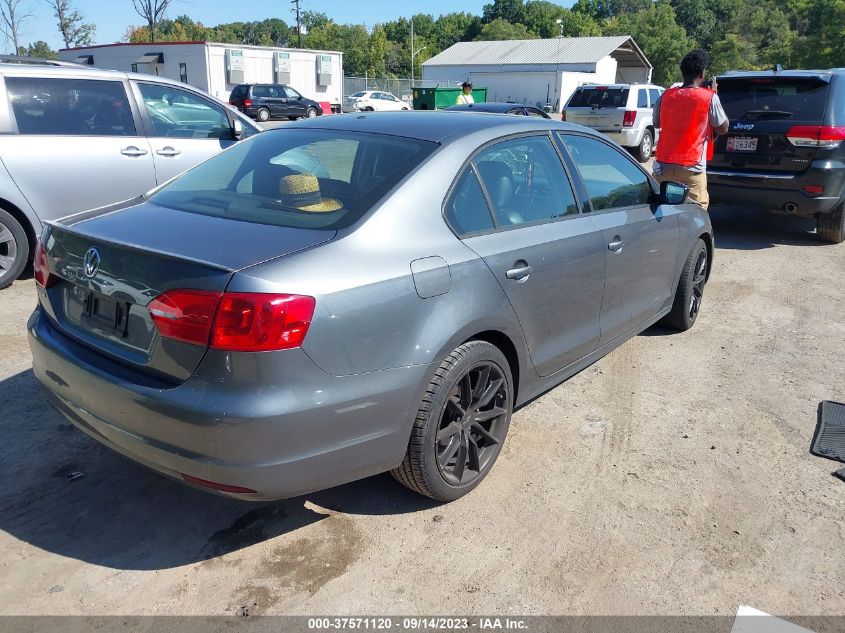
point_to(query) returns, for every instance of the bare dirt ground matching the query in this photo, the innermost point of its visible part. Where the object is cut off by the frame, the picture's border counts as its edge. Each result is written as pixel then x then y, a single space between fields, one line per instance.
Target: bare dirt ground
pixel 671 477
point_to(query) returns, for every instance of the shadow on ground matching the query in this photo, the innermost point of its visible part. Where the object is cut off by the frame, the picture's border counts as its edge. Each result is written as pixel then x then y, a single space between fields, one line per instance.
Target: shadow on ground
pixel 740 228
pixel 121 515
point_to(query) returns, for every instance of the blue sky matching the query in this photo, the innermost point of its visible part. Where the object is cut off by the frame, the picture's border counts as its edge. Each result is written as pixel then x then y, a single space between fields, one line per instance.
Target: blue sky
pixel 113 16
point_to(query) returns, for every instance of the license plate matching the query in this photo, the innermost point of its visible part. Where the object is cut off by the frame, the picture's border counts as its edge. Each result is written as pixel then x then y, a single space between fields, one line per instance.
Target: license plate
pixel 742 144
pixel 105 314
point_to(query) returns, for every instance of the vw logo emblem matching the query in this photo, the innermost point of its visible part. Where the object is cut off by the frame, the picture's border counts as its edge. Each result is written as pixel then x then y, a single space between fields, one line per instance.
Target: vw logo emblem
pixel 91 263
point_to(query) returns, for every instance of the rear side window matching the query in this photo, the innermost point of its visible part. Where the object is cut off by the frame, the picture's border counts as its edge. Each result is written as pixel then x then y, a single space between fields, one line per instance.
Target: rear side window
pixel 612 180
pixel 526 181
pixel 71 107
pixel 653 95
pixel 312 179
pixel 599 97
pixel 642 98
pixel 467 210
pixel 794 98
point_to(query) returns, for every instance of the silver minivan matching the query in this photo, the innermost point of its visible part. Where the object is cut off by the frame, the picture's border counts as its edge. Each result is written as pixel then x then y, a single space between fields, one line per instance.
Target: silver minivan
pixel 74 138
pixel 622 112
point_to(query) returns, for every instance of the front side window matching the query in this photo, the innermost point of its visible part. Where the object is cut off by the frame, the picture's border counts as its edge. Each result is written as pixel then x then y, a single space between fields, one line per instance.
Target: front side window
pixel 292 94
pixel 467 210
pixel 653 95
pixel 611 178
pixel 525 181
pixel 71 107
pixel 181 114
pixel 312 179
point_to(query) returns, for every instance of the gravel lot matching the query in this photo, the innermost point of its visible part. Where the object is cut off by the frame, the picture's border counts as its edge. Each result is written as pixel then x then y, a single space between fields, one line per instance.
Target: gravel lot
pixel 671 477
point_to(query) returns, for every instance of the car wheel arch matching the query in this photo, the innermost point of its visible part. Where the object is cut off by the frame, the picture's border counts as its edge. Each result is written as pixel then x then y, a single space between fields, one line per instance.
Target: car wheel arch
pixel 505 345
pixel 25 222
pixel 708 242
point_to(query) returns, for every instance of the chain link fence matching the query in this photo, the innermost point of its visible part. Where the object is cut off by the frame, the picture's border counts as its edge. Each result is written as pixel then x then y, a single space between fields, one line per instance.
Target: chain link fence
pixel 396 86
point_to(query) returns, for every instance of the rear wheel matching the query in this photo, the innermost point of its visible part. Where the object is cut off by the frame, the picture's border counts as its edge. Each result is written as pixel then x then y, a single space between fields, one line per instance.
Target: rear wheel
pixel 14 249
pixel 263 115
pixel 461 423
pixel 690 292
pixel 646 147
pixel 830 227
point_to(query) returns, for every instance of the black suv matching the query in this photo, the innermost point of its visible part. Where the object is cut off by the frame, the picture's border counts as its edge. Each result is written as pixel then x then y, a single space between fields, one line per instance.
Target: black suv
pixel 266 101
pixel 785 149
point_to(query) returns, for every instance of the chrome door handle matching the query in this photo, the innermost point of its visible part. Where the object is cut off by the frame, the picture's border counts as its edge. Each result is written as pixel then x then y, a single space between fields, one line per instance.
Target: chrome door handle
pixel 133 151
pixel 519 274
pixel 616 245
pixel 168 151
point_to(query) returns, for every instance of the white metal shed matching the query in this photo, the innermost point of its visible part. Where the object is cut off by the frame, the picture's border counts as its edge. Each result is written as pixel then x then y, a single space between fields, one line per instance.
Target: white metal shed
pixel 217 68
pixel 540 72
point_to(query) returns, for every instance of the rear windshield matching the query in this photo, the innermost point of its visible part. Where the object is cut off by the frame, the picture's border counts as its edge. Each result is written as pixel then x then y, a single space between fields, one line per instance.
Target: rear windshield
pixel 801 98
pixel 238 93
pixel 599 98
pixel 312 179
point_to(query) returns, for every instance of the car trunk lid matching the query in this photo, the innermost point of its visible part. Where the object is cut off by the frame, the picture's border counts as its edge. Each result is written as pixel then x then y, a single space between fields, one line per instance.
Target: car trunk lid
pixel 138 253
pixel 767 114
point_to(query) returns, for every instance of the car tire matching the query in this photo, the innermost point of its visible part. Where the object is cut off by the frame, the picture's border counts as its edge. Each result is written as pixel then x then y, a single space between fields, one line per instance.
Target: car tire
pixel 441 433
pixel 830 227
pixel 646 147
pixel 369 109
pixel 690 292
pixel 311 113
pixel 263 115
pixel 14 249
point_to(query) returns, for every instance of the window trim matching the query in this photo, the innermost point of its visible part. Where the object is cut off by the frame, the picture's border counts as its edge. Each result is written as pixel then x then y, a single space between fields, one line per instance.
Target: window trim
pixel 469 163
pixel 655 188
pixel 131 100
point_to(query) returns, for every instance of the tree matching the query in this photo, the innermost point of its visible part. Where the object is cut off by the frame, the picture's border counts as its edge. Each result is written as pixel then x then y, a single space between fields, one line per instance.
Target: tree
pixel 38 49
pixel 456 27
pixel 151 10
pixel 509 10
pixel 75 31
pixel 659 36
pixel 500 29
pixel 378 52
pixel 11 18
pixel 733 52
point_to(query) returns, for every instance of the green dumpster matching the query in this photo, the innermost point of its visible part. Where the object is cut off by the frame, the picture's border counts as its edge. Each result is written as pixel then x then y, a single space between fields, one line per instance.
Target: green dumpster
pixel 439 98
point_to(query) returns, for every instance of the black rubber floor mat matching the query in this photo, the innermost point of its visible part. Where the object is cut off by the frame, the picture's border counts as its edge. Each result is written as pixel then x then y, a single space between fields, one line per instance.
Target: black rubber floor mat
pixel 829 439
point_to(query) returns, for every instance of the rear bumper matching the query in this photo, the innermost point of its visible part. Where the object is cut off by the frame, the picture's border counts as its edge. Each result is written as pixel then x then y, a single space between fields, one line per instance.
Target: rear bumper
pixel 626 138
pixel 274 423
pixel 774 191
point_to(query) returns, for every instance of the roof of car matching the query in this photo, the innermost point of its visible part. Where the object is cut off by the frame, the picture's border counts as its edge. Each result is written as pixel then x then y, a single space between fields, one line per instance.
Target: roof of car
pixel 782 73
pixel 82 70
pixel 491 106
pixel 428 125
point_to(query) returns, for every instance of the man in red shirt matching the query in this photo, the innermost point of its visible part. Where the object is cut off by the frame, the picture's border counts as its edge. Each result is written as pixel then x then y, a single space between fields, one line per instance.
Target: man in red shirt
pixel 688 116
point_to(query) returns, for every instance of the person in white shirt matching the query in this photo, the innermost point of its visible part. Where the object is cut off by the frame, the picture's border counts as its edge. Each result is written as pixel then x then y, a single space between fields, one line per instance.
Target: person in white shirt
pixel 465 98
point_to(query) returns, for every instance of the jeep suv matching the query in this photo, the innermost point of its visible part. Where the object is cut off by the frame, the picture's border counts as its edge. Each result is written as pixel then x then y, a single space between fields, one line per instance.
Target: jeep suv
pixel 622 112
pixel 74 137
pixel 785 149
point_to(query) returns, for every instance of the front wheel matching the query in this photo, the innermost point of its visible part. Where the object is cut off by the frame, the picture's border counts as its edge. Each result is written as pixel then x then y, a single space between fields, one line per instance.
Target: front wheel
pixel 263 115
pixel 461 423
pixel 830 227
pixel 14 249
pixel 311 113
pixel 690 292
pixel 646 147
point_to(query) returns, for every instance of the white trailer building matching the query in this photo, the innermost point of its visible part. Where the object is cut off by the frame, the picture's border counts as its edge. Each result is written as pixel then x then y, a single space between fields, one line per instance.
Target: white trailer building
pixel 217 68
pixel 540 72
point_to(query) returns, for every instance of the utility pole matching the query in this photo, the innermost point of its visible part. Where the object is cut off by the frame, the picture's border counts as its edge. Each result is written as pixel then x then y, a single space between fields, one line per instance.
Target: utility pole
pixel 412 52
pixel 295 4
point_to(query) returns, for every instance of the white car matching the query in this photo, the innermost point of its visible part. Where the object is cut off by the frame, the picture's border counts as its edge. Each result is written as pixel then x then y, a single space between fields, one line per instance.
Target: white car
pixel 373 101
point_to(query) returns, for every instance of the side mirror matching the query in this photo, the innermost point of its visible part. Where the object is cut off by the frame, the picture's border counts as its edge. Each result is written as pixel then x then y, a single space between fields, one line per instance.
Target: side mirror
pixel 673 192
pixel 237 129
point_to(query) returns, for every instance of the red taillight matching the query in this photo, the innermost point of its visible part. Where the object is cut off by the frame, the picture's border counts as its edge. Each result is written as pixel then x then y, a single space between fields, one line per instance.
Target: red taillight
pixel 205 483
pixel 233 321
pixel 252 322
pixel 816 135
pixel 813 189
pixel 40 267
pixel 247 103
pixel 185 315
pixel 630 117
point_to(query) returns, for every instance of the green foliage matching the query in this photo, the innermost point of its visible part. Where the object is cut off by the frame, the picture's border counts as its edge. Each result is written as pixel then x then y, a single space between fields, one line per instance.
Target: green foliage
pixel 38 49
pixel 660 37
pixel 501 29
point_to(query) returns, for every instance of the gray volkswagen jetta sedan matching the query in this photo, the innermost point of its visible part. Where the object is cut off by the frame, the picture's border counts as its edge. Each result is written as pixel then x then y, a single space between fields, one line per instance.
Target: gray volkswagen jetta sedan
pixel 352 295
